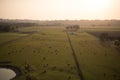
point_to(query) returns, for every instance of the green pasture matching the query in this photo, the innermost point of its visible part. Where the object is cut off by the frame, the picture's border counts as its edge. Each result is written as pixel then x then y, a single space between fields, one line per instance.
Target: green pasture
pixel 48 56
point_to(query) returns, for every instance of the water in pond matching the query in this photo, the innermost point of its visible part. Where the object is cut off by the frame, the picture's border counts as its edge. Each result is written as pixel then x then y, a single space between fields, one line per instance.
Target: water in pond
pixel 6 74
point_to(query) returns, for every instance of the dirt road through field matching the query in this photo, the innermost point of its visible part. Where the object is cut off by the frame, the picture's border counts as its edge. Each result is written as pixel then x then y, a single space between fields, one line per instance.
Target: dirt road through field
pixel 80 74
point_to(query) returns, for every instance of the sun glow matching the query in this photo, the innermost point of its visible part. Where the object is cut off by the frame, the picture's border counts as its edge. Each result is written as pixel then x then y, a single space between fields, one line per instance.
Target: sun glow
pixel 96 4
pixel 60 9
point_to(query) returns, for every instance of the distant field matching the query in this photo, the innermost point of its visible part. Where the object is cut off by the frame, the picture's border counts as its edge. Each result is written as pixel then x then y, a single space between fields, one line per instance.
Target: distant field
pixel 48 56
pixel 4 37
pixel 98 31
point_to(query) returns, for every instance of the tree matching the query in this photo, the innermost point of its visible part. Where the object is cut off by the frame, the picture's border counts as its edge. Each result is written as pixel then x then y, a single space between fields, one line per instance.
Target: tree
pixel 72 28
pixel 7 28
pixel 104 36
pixel 117 43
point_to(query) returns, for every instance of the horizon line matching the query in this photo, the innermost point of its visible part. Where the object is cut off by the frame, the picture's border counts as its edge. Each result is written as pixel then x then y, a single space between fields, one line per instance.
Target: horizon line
pixel 59 19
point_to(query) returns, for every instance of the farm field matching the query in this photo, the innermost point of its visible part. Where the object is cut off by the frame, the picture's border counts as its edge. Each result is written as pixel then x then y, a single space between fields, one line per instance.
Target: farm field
pixel 46 54
pixel 4 37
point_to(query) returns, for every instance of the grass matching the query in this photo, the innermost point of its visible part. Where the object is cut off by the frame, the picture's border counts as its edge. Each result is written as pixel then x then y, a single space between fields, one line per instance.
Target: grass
pixel 48 56
pixel 97 61
pixel 4 37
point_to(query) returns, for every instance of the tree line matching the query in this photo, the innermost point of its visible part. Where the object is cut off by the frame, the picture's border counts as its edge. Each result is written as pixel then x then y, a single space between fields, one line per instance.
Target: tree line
pixel 13 27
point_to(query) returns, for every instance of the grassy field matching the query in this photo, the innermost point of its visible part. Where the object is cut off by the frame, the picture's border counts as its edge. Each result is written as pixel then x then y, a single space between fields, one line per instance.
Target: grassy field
pixel 4 37
pixel 46 54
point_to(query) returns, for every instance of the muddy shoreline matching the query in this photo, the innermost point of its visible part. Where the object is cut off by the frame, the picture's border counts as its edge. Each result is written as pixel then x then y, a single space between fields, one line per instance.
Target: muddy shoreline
pixel 15 69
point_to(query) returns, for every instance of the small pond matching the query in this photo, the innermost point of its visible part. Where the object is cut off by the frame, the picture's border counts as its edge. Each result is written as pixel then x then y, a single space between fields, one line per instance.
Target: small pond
pixel 6 74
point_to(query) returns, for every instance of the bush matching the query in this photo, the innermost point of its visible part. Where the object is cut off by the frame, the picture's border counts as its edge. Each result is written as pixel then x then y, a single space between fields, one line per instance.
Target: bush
pixel 7 28
pixel 117 43
pixel 29 77
pixel 104 36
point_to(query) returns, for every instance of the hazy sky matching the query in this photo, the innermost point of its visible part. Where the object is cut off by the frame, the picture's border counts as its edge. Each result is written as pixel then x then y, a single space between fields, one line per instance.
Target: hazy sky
pixel 60 9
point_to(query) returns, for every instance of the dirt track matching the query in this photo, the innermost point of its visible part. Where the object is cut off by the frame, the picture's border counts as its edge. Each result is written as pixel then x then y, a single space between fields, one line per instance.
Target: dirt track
pixel 80 74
